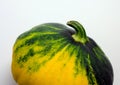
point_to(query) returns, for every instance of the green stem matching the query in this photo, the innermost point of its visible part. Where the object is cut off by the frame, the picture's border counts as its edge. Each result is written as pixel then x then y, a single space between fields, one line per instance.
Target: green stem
pixel 80 35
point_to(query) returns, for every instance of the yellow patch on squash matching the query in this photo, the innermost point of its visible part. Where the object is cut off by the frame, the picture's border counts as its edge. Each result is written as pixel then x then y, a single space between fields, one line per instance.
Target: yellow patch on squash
pixel 60 70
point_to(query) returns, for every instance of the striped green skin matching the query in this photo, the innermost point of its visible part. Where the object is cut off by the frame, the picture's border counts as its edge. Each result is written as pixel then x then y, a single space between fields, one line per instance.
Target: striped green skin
pixel 53 37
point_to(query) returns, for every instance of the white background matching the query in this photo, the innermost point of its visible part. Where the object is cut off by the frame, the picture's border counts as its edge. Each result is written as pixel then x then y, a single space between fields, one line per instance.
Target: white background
pixel 101 19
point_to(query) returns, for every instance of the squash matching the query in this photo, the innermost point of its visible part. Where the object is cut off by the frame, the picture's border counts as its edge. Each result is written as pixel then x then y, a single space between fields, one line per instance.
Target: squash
pixel 54 54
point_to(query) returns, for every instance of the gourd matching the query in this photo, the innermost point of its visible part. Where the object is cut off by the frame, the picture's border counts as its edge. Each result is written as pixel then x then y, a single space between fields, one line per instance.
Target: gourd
pixel 55 54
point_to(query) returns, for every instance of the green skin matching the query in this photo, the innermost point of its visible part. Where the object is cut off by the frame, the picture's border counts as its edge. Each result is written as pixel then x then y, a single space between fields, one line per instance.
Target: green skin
pixel 59 35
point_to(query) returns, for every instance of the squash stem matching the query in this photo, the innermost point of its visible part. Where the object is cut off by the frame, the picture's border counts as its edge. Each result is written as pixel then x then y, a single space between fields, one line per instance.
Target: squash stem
pixel 80 35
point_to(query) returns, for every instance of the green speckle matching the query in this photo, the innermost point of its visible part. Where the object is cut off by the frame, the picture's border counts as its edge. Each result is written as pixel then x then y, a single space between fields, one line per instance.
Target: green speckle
pixel 26 57
pixel 31 53
pixel 34 67
pixel 30 41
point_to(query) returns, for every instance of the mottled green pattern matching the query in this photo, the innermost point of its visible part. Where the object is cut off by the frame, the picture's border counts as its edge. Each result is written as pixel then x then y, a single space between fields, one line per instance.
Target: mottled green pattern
pixel 43 37
pixel 52 38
